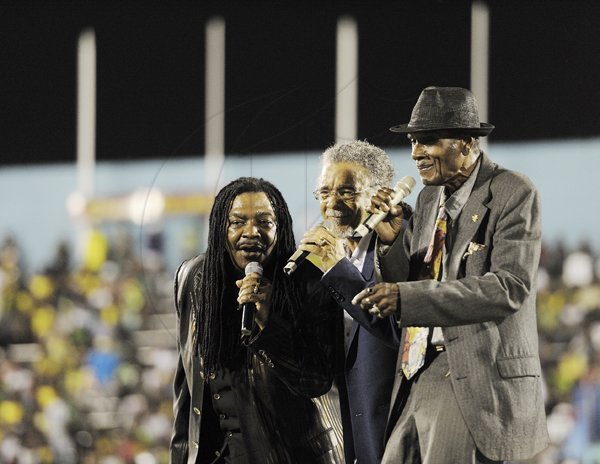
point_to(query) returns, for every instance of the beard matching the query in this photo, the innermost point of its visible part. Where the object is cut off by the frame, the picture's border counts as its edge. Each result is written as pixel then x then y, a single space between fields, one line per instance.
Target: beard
pixel 335 225
pixel 340 230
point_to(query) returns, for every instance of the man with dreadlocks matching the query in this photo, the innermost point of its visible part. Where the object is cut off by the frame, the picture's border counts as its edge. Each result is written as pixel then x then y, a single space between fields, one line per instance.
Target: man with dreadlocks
pixel 247 401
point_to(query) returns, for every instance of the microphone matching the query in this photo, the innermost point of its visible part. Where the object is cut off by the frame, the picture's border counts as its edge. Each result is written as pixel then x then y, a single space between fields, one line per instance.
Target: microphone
pixel 295 260
pixel 299 256
pixel 248 309
pixel 402 190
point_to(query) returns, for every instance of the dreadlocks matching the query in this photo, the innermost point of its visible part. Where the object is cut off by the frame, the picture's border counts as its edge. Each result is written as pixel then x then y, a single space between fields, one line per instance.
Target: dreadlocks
pixel 216 340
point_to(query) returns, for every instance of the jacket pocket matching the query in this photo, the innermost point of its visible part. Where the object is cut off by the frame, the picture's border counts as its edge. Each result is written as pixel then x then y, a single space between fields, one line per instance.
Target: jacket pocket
pixel 524 366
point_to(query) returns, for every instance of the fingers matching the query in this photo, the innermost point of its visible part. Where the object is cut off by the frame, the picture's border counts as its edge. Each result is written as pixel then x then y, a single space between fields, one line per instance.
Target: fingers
pixel 312 248
pixel 382 202
pixel 322 243
pixel 375 310
pixel 381 300
pixel 254 289
pixel 318 236
pixel 359 297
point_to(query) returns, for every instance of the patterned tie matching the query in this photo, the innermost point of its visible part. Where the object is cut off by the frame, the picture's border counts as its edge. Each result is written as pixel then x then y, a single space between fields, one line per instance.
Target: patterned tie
pixel 415 343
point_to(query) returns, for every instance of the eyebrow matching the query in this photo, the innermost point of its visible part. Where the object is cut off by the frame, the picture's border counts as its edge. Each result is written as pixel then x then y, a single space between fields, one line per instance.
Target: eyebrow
pixel 258 213
pixel 339 187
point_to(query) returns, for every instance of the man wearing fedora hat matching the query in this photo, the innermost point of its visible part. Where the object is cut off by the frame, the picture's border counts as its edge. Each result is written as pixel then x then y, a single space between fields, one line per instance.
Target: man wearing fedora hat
pixel 459 289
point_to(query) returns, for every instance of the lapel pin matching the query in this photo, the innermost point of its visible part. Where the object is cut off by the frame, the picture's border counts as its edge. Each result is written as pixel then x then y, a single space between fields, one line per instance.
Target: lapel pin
pixel 475 217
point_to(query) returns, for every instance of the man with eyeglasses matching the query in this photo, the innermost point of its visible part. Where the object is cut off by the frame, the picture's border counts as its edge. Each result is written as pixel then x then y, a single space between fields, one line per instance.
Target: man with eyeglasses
pixel 351 173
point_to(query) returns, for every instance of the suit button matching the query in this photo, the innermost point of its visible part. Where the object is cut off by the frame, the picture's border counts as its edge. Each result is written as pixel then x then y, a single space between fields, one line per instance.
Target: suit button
pixel 196 411
pixel 195 443
pixel 216 396
pixel 222 416
pixel 212 376
pixel 217 453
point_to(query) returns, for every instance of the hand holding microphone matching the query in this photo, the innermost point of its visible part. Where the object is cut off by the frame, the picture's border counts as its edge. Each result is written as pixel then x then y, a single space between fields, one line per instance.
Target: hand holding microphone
pixel 385 202
pixel 254 296
pixel 328 249
pixel 325 247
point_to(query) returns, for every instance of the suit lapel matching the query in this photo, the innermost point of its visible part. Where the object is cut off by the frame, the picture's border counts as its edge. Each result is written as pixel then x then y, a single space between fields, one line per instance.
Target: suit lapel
pixel 367 273
pixel 426 215
pixel 369 264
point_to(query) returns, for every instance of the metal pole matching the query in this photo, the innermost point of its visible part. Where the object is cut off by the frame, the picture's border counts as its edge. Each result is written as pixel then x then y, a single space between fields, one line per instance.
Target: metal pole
pixel 214 135
pixel 86 137
pixel 480 38
pixel 86 112
pixel 346 91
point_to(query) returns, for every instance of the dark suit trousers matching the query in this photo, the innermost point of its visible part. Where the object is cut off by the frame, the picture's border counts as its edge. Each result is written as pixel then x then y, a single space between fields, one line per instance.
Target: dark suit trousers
pixel 430 428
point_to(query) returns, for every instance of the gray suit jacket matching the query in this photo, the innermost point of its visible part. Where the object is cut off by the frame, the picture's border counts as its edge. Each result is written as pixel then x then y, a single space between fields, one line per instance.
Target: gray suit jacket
pixel 486 308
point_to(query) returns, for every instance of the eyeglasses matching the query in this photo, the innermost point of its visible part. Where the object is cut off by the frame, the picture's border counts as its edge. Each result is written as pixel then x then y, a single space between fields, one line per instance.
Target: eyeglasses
pixel 344 194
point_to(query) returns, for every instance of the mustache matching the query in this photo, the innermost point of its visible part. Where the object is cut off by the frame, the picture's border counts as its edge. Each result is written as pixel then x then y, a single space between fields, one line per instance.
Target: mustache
pixel 334 213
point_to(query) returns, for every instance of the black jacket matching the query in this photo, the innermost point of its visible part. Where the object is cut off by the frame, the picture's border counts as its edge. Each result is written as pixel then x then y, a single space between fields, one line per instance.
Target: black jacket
pixel 287 366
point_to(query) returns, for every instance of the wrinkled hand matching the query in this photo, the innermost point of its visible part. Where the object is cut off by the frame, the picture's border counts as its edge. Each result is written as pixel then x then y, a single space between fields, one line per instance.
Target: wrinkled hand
pixel 381 300
pixel 388 229
pixel 322 243
pixel 256 289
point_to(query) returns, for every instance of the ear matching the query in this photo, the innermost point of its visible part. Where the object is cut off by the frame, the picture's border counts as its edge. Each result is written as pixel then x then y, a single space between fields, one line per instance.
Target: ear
pixel 467 144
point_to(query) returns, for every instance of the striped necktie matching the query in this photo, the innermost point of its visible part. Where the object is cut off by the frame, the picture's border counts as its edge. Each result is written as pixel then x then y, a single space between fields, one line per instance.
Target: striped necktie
pixel 415 343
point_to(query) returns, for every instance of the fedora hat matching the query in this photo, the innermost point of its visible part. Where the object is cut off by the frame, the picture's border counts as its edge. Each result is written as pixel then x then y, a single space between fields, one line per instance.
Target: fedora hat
pixel 451 109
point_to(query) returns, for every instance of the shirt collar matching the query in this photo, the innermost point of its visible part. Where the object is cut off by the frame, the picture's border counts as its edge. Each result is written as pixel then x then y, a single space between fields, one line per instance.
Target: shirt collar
pixel 360 252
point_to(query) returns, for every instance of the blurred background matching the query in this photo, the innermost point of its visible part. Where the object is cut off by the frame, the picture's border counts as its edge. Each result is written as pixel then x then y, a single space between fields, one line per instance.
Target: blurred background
pixel 120 121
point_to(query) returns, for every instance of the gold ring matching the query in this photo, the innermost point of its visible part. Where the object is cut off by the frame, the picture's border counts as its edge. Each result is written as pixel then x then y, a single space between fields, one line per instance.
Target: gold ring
pixel 374 309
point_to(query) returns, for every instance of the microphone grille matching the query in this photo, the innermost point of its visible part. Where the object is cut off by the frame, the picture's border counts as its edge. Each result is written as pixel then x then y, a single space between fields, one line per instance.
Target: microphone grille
pixel 406 183
pixel 253 266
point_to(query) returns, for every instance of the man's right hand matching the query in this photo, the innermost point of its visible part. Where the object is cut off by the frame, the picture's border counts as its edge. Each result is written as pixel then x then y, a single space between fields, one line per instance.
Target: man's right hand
pixel 388 229
pixel 322 243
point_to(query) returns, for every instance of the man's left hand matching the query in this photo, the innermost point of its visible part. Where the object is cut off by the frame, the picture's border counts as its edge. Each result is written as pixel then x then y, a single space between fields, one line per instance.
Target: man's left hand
pixel 322 243
pixel 381 300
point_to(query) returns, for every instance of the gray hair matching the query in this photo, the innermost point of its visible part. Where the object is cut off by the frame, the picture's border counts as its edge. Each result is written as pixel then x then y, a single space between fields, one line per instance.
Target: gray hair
pixel 374 159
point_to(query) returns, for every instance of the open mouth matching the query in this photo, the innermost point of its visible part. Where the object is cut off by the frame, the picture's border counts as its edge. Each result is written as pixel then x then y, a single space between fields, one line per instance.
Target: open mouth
pixel 251 248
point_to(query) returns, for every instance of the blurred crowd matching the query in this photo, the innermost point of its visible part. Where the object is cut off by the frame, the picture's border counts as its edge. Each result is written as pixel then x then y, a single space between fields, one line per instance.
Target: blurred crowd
pixel 569 330
pixel 87 354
